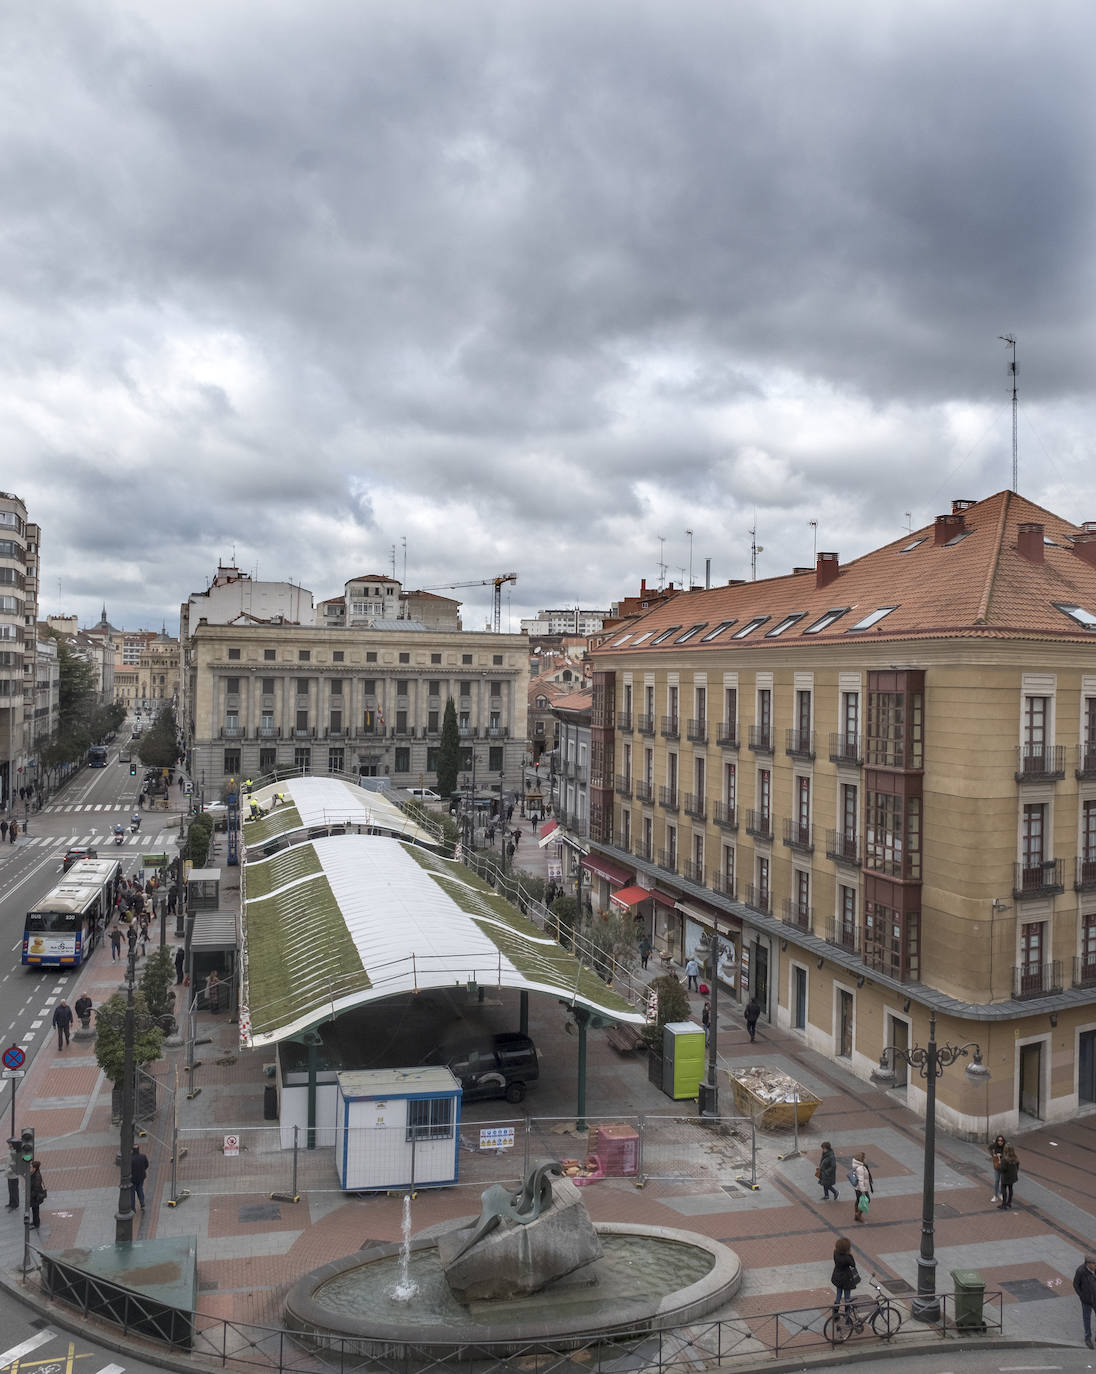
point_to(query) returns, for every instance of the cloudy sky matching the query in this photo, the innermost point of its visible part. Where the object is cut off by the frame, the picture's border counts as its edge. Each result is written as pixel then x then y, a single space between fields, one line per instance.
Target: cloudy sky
pixel 532 285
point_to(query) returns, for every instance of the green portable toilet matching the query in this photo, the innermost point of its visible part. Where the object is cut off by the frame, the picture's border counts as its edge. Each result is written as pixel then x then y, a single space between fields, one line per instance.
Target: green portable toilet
pixel 682 1058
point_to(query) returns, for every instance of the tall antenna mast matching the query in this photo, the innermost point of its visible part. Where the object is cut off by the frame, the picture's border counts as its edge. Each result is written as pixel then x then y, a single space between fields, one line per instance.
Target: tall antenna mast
pixel 755 549
pixel 661 560
pixel 1009 341
pixel 814 531
pixel 690 534
pixel 403 538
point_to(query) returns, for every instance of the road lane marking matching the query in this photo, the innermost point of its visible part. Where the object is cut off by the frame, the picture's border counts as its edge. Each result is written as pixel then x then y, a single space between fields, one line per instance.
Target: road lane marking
pixel 17 1352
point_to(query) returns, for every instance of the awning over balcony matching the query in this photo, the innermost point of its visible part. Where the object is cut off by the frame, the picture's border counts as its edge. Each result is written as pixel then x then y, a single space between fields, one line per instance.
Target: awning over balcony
pixel 593 864
pixel 628 897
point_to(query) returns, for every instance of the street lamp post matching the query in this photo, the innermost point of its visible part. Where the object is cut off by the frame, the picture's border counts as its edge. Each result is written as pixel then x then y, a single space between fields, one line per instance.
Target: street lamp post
pixel 930 1063
pixel 123 1218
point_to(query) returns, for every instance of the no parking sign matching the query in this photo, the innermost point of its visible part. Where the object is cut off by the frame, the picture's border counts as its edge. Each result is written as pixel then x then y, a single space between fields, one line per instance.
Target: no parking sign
pixel 232 1145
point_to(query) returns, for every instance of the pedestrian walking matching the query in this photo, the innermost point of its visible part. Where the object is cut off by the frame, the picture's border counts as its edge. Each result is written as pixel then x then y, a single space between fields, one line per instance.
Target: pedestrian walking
pixel 863 1185
pixel 115 942
pixel 645 948
pixel 753 1012
pixel 1010 1172
pixel 13 831
pixel 706 1022
pixel 692 975
pixel 995 1153
pixel 4 829
pixel 15 1173
pixel 62 1023
pixel 845 1275
pixel 180 963
pixel 1084 1285
pixel 37 1193
pixel 138 1172
pixel 826 1173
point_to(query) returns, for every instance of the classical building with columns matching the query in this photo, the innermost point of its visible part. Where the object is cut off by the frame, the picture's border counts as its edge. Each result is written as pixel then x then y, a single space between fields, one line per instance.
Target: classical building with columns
pixel 875 784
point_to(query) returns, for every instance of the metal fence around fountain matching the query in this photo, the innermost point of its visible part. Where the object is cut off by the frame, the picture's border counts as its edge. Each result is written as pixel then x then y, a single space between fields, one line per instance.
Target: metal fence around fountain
pixel 662 1152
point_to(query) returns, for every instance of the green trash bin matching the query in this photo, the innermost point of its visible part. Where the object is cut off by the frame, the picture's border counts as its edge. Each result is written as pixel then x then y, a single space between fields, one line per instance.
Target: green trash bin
pixel 970 1294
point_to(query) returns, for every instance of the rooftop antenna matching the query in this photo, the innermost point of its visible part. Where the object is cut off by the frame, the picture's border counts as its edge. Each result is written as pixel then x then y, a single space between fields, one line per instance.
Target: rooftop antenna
pixel 403 538
pixel 392 558
pixel 909 522
pixel 690 534
pixel 755 549
pixel 661 561
pixel 1009 341
pixel 814 530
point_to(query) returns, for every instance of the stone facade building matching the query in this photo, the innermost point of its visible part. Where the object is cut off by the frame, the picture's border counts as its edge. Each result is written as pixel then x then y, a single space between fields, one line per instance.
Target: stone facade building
pixel 19 564
pixel 877 783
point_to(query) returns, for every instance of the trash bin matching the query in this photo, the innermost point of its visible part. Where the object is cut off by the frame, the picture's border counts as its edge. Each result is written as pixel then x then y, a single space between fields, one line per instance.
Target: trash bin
pixel 970 1293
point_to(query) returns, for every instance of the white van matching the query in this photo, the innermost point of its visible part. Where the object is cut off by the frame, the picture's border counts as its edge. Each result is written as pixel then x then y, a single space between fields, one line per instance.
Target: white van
pixel 424 794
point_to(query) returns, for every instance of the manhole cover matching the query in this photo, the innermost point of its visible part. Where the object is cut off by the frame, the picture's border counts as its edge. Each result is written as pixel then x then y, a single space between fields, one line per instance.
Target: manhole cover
pixel 1029 1290
pixel 732 1191
pixel 899 1286
pixel 261 1211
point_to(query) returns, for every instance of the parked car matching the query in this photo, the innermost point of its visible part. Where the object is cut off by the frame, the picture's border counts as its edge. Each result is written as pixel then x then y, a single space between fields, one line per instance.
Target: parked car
pixel 424 794
pixel 73 855
pixel 500 1066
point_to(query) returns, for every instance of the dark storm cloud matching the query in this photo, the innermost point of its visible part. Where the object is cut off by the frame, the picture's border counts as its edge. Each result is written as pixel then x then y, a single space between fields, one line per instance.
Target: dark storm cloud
pixel 531 285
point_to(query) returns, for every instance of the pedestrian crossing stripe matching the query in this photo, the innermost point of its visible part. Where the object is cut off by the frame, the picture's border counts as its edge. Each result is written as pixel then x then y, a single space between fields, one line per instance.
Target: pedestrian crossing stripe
pixel 83 841
pixel 15 1358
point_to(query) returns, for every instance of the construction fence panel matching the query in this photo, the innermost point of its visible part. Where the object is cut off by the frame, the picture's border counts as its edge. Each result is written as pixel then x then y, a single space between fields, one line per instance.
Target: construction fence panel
pixel 686 1152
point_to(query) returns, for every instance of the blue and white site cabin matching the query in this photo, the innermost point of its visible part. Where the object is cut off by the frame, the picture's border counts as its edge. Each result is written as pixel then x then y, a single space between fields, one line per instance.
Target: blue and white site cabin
pixel 397 1128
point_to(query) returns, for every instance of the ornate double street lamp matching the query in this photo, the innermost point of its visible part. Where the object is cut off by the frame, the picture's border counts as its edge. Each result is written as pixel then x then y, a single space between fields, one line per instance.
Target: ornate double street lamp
pixel 930 1063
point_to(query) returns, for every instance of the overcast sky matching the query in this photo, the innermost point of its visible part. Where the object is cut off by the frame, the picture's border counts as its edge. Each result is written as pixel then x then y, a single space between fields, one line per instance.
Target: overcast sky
pixel 532 283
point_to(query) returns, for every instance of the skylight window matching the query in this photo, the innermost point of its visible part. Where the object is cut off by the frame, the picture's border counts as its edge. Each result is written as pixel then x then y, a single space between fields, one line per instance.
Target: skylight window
pixel 622 640
pixel 785 624
pixel 750 626
pixel 715 633
pixel 692 630
pixel 958 538
pixel 1077 613
pixel 915 545
pixel 873 618
pixel 659 639
pixel 645 635
pixel 825 621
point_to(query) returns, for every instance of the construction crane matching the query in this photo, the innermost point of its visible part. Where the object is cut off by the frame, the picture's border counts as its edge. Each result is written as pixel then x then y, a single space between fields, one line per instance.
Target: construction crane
pixel 496 582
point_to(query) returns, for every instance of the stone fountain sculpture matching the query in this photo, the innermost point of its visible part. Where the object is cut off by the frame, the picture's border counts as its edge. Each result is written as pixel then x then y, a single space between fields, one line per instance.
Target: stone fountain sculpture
pixel 523 1241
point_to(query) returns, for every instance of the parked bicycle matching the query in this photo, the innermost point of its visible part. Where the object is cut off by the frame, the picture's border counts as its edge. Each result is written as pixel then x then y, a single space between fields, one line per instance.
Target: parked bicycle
pixel 884 1316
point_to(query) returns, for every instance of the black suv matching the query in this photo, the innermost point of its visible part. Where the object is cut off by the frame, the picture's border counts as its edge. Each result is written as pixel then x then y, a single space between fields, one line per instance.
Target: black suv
pixel 73 855
pixel 497 1067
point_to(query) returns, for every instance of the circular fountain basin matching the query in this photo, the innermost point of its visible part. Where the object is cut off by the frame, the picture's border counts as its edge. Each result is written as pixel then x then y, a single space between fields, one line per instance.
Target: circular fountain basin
pixel 649 1278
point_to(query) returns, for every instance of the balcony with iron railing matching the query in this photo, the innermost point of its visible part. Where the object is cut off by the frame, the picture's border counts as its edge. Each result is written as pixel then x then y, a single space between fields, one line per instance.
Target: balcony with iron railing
pixel 642 850
pixel 645 791
pixel 369 732
pixel 799 837
pixel 1086 761
pixel 1040 762
pixel 842 848
pixel 846 749
pixel 724 884
pixel 671 727
pixel 498 732
pixel 726 735
pixel 693 872
pixel 759 824
pixel 269 732
pixel 668 797
pixel 843 934
pixel 645 724
pixel 623 785
pixel 759 898
pixel 725 815
pixel 233 732
pixel 697 731
pixel 304 732
pixel 1085 881
pixel 1031 880
pixel 1037 980
pixel 761 739
pixel 799 744
pixel 581 773
pixel 696 805
pixel 624 722
pixel 334 732
pixel 1084 971
pixel 795 914
pixel 667 859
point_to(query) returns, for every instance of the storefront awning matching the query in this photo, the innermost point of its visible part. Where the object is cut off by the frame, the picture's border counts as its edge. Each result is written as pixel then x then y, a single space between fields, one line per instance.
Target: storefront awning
pixel 705 916
pixel 628 897
pixel 663 900
pixel 604 869
pixel 548 834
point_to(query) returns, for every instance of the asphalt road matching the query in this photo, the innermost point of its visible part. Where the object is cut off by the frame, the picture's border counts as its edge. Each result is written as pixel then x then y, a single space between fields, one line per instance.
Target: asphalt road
pixel 36 1345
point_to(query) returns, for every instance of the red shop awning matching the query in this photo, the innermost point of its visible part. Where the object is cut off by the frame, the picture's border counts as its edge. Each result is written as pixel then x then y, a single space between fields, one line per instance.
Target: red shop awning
pixel 628 897
pixel 604 869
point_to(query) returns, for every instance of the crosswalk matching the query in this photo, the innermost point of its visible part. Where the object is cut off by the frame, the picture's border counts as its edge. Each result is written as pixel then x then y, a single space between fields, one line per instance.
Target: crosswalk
pixel 65 808
pixel 103 840
pixel 62 1359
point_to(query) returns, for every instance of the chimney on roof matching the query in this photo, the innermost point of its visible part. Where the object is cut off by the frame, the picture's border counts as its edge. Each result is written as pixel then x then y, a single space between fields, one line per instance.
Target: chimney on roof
pixel 798 572
pixel 1029 541
pixel 959 504
pixel 827 569
pixel 948 526
pixel 1084 542
pixel 736 581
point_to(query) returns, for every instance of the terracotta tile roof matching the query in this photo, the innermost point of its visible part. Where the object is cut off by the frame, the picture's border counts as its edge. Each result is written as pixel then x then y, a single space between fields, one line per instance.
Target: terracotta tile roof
pixel 373 577
pixel 981 585
pixel 574 701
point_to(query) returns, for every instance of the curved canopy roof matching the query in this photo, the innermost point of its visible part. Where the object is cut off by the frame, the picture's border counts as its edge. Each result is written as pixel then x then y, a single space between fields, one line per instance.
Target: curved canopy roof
pixel 322 804
pixel 342 921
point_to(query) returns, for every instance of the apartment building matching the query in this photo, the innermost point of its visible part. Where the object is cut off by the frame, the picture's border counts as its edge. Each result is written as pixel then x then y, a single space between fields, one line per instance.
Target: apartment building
pixel 19 562
pixel 350 694
pixel 877 784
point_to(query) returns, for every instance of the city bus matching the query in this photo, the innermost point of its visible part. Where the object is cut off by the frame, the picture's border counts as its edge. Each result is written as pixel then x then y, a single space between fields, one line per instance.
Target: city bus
pixel 97 756
pixel 66 924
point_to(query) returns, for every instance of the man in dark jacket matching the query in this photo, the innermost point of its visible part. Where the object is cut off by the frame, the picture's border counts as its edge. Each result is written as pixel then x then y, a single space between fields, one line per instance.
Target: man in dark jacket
pixel 84 1009
pixel 1084 1285
pixel 180 963
pixel 753 1011
pixel 138 1172
pixel 62 1022
pixel 827 1172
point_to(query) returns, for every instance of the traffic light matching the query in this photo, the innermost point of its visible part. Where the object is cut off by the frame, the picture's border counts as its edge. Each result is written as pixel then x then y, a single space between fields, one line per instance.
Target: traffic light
pixel 26 1144
pixel 132 770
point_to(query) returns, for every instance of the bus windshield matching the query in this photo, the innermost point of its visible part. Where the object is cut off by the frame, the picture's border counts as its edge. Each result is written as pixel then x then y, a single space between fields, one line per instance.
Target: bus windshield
pixel 97 756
